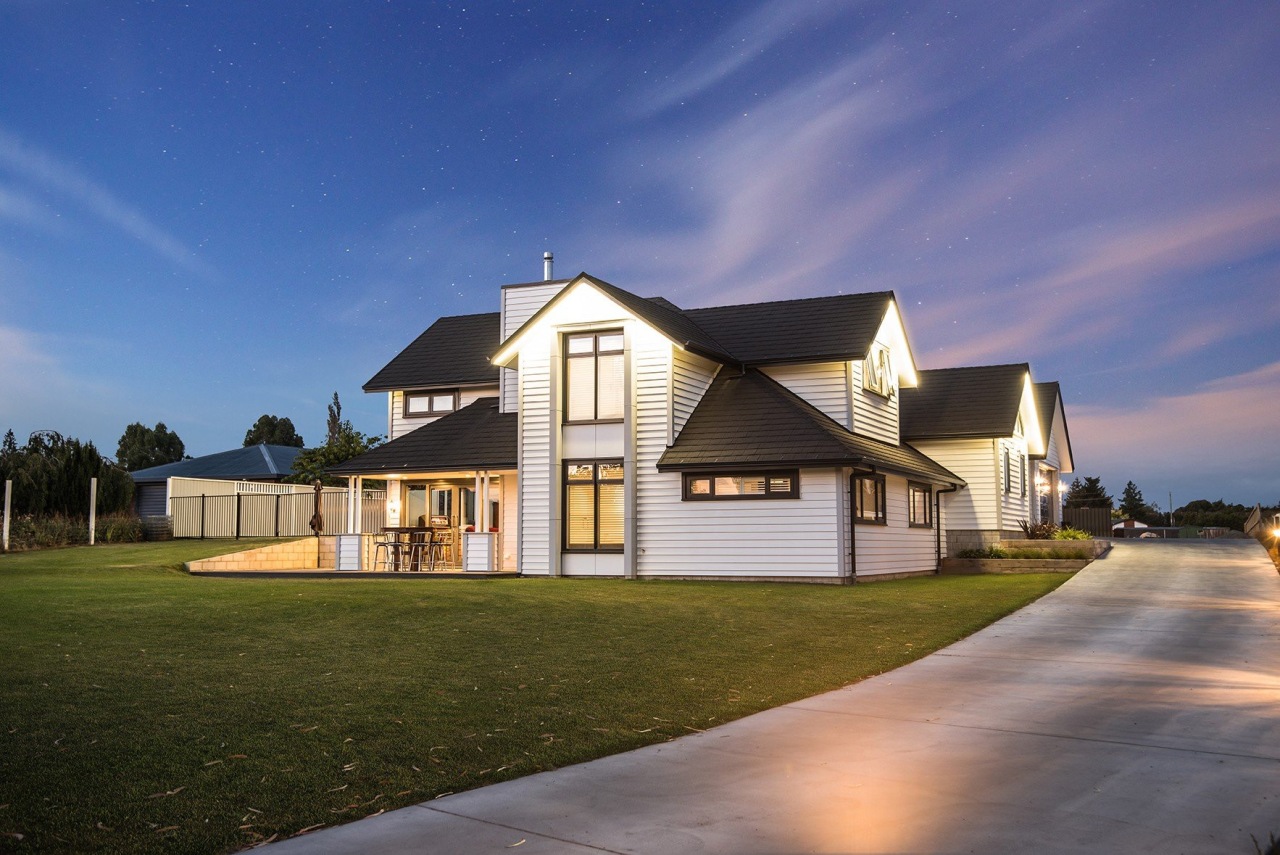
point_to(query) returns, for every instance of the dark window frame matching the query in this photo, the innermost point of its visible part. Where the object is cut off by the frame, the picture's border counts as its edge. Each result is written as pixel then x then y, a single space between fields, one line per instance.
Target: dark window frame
pixel 595 355
pixel 687 495
pixel 882 499
pixel 595 482
pixel 914 487
pixel 429 394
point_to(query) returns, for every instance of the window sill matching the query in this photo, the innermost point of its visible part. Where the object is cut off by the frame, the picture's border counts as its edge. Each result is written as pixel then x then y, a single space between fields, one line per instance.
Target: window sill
pixel 594 422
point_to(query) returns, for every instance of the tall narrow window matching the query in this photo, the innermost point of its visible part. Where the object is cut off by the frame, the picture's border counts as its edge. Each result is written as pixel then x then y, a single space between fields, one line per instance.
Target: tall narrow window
pixel 919 505
pixel 869 499
pixel 593 506
pixel 594 386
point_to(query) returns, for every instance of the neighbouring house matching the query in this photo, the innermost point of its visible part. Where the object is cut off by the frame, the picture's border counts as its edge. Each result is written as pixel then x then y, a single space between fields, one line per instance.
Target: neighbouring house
pixel 154 487
pixel 985 423
pixel 583 430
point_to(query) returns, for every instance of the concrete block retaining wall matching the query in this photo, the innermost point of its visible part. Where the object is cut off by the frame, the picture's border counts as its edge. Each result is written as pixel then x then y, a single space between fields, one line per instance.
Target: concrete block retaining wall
pixel 971 566
pixel 294 555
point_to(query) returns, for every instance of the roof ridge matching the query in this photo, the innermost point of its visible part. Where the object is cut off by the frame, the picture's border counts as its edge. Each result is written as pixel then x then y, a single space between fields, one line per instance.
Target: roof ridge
pixel 266 455
pixel 1025 365
pixel 792 300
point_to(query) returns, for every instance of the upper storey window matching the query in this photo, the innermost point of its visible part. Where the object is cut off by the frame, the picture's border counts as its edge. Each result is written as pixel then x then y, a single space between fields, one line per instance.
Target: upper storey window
pixel 594 376
pixel 418 405
pixel 877 371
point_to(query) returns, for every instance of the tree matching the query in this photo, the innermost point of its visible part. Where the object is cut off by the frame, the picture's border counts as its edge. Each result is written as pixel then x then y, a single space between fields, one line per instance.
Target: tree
pixel 1089 494
pixel 334 424
pixel 273 430
pixel 142 447
pixel 51 475
pixel 1134 507
pixel 344 443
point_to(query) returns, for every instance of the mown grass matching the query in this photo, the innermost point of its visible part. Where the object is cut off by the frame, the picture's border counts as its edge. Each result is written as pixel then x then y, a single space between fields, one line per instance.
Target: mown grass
pixel 145 710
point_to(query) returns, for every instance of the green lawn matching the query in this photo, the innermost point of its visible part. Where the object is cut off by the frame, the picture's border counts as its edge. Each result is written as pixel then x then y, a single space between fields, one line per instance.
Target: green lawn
pixel 142 709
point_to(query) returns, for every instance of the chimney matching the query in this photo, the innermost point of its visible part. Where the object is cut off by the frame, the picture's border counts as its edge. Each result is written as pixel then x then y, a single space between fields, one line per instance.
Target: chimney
pixel 547 258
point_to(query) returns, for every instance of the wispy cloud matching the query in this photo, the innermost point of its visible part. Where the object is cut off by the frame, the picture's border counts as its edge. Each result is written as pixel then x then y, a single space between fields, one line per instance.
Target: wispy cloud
pixel 745 41
pixel 43 170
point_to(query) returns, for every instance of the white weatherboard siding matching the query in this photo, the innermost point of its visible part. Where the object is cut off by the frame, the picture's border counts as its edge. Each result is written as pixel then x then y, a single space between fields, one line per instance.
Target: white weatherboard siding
pixel 823 384
pixel 401 426
pixel 873 415
pixel 518 305
pixel 895 547
pixel 750 537
pixel 974 506
pixel 539 461
pixel 1015 504
pixel 691 375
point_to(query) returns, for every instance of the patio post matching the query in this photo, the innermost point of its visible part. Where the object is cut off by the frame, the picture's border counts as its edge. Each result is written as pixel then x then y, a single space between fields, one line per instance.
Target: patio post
pixel 351 504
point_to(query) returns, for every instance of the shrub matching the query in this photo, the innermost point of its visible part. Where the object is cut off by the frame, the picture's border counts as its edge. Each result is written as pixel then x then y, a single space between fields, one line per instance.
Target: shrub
pixel 27 531
pixel 1070 533
pixel 998 552
pixel 989 552
pixel 118 528
pixel 1039 531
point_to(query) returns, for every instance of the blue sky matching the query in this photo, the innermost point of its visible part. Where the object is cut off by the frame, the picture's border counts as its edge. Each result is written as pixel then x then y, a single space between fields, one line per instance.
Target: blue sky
pixel 213 211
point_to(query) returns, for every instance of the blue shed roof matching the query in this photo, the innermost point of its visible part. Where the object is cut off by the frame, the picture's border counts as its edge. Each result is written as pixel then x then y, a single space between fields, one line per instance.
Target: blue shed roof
pixel 252 463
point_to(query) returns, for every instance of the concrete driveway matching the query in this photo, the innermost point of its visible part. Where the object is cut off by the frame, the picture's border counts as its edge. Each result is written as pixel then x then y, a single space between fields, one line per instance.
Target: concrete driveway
pixel 1135 709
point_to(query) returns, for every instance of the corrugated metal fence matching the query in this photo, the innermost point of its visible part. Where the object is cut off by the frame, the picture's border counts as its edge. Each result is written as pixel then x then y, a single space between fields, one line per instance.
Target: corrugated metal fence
pixel 1096 521
pixel 271 514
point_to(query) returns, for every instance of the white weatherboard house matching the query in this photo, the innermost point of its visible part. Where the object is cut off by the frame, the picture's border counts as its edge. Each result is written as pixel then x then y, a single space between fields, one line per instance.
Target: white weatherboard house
pixel 585 431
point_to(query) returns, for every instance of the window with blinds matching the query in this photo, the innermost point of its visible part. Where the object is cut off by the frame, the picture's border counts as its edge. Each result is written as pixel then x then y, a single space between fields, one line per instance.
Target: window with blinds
pixel 700 487
pixel 594 376
pixel 593 506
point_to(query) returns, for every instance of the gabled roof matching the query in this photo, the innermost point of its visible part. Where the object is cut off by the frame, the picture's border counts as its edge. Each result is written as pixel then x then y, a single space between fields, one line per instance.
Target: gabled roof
pixel 475 437
pixel 1048 398
pixel 454 351
pixel 252 463
pixel 661 314
pixel 809 330
pixel 749 419
pixel 953 403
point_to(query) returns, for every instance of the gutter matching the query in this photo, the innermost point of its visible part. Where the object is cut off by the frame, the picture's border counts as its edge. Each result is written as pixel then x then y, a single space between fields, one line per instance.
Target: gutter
pixel 937 524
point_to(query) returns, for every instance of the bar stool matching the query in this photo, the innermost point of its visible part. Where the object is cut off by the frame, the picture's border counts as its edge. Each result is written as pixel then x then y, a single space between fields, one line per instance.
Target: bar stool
pixel 390 548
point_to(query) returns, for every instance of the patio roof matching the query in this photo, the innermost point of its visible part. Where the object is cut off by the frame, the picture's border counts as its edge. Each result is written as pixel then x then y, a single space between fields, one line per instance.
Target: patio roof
pixel 749 419
pixel 475 437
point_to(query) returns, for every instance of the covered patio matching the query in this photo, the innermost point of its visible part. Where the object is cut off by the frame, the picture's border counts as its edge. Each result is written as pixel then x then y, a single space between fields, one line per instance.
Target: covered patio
pixel 451 497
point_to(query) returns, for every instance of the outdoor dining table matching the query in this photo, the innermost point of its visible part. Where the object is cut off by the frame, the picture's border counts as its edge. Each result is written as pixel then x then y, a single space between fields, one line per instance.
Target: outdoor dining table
pixel 409 535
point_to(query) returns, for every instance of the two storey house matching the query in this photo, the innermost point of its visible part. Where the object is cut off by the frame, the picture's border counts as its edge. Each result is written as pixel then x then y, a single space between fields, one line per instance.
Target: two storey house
pixel 583 430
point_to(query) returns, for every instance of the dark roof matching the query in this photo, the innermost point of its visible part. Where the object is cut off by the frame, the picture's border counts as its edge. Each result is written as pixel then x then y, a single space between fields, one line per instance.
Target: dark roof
pixel 475 437
pixel 252 463
pixel 667 318
pixel 818 328
pixel 749 419
pixel 953 403
pixel 454 351
pixel 1048 395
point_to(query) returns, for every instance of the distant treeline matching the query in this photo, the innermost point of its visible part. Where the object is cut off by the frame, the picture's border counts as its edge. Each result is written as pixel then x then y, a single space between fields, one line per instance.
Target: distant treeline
pixel 51 475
